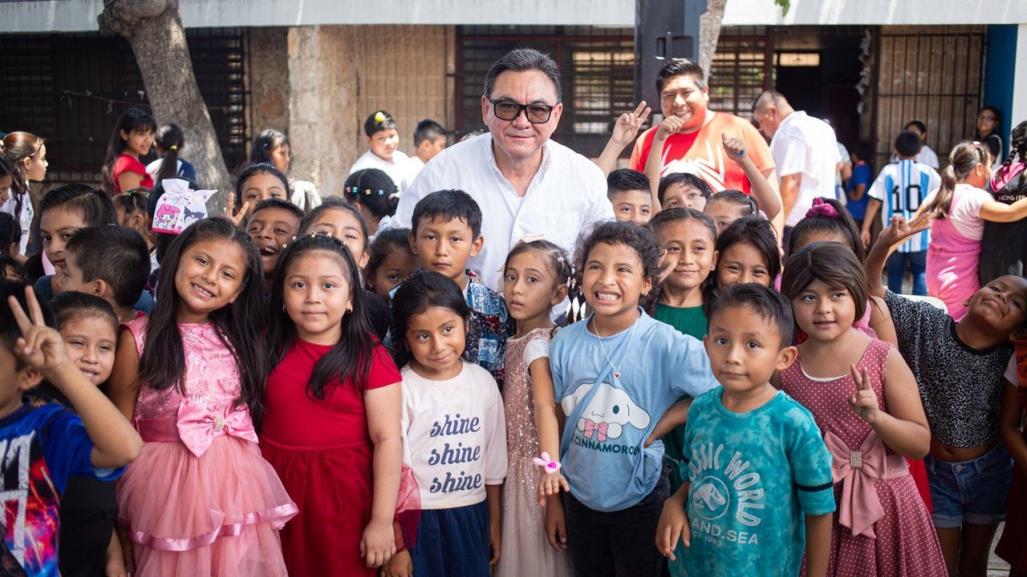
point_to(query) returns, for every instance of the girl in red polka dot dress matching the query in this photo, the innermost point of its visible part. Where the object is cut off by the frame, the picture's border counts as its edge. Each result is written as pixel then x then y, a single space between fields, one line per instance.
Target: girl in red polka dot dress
pixel 865 401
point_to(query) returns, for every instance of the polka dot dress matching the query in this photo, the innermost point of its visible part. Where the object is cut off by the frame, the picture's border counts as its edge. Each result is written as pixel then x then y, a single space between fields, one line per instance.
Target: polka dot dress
pixel 906 544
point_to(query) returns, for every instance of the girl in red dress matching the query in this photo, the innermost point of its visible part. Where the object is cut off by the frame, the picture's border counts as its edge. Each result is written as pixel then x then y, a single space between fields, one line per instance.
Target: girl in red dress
pixel 332 415
pixel 131 140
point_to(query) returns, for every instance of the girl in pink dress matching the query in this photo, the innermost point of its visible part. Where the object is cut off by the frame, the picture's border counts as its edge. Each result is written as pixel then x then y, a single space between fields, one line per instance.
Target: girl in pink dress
pixel 959 209
pixel 200 500
pixel 535 278
pixel 865 401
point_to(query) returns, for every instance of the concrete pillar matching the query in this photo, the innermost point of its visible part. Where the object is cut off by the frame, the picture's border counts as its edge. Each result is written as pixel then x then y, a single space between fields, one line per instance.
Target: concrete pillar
pixel 338 75
pixel 268 60
pixel 321 96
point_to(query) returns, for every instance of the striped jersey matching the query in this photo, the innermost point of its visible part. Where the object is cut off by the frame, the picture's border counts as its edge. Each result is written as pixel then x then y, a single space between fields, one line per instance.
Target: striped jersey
pixel 901 187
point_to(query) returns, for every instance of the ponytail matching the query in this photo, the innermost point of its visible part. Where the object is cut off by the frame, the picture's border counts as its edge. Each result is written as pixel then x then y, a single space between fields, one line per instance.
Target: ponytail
pixel 962 160
pixel 170 139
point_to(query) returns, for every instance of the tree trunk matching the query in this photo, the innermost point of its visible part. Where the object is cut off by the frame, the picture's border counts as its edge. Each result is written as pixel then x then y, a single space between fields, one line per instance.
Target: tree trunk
pixel 709 32
pixel 154 29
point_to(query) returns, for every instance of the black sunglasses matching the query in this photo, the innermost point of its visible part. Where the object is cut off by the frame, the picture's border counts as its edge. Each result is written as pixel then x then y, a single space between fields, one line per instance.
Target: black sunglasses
pixel 509 110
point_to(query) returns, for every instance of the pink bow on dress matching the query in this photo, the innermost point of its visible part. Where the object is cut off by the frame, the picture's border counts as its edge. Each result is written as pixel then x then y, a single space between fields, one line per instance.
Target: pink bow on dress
pixel 597 429
pixel 198 425
pixel 859 507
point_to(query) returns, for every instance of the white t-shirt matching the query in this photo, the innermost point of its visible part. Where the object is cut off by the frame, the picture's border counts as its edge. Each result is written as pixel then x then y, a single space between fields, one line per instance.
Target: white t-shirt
pixel 806 146
pixel 24 219
pixel 1011 373
pixel 566 197
pixel 455 433
pixel 398 170
pixel 965 212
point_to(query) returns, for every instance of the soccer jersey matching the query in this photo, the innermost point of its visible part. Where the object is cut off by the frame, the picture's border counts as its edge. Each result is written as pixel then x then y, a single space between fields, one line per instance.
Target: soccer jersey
pixel 902 187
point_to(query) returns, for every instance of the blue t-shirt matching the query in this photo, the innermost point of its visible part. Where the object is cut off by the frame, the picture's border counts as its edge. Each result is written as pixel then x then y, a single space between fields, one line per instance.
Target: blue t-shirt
pixel 754 476
pixel 861 174
pixel 610 413
pixel 41 448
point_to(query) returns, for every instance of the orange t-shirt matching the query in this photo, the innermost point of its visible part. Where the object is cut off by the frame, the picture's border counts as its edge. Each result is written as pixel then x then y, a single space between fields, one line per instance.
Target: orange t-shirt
pixel 702 153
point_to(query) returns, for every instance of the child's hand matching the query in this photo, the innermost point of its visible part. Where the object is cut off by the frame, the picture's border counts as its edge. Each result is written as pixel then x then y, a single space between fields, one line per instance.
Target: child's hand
pixel 400 565
pixel 733 146
pixel 551 484
pixel 495 541
pixel 39 346
pixel 626 128
pixel 864 402
pixel 378 543
pixel 901 229
pixel 238 217
pixel 667 265
pixel 673 526
pixel 115 558
pixel 556 524
pixel 670 125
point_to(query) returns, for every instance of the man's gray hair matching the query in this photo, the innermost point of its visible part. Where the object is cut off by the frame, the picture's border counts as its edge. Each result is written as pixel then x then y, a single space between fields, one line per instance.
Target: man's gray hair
pixel 519 60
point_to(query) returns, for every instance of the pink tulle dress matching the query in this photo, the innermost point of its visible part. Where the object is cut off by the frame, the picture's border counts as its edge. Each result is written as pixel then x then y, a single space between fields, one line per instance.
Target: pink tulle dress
pixel 200 500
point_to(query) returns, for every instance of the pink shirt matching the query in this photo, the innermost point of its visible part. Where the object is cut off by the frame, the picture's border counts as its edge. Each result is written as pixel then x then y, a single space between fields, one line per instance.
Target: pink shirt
pixel 955 249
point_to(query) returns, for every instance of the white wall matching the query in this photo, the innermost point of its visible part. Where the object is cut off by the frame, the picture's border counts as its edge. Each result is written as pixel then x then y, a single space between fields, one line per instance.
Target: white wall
pixel 79 15
pixel 1019 111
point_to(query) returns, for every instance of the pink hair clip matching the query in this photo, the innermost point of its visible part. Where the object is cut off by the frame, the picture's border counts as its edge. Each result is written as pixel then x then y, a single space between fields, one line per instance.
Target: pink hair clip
pixel 822 208
pixel 548 465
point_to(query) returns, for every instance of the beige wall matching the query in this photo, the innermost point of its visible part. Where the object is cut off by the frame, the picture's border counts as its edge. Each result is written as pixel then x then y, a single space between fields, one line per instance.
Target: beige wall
pixel 338 75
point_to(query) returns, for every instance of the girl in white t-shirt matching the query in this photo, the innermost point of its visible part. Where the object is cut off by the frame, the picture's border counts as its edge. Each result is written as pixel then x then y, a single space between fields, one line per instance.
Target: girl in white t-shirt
pixel 455 432
pixel 959 209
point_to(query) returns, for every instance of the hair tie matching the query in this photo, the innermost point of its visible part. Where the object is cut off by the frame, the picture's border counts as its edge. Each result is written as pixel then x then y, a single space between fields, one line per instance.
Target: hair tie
pixel 173 148
pixel 822 208
pixel 379 117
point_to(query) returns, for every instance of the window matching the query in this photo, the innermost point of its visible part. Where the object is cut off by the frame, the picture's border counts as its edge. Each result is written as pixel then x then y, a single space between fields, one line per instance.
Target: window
pixel 597 72
pixel 71 88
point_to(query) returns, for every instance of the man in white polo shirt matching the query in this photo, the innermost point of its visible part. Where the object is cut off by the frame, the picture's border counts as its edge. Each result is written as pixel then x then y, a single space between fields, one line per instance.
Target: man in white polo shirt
pixel 525 184
pixel 805 152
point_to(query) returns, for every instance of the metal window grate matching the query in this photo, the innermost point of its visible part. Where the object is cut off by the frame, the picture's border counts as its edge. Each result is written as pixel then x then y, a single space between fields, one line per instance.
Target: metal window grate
pixel 740 71
pixel 71 88
pixel 934 75
pixel 596 65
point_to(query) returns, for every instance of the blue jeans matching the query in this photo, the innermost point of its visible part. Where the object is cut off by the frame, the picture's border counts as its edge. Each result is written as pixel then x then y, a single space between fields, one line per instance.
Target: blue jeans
pixel 917 263
pixel 973 491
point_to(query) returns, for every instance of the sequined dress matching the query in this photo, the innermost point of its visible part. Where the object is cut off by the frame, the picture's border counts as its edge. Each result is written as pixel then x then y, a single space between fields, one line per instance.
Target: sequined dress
pixel 525 548
pixel 200 500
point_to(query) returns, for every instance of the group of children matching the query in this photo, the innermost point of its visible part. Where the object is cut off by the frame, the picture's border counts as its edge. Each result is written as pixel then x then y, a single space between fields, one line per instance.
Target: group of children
pixel 310 391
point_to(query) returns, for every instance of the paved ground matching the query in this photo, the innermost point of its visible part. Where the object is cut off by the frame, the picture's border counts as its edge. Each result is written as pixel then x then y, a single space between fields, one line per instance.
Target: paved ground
pixel 996 566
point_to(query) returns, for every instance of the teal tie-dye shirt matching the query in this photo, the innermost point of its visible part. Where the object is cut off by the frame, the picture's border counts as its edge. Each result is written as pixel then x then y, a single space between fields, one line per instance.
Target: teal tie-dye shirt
pixel 754 477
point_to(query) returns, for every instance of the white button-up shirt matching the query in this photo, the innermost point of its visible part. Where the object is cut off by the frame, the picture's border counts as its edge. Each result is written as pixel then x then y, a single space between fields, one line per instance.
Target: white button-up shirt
pixel 565 198
pixel 807 146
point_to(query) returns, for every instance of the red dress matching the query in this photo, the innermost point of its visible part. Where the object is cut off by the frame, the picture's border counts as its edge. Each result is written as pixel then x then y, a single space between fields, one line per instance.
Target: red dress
pixel 128 163
pixel 323 453
pixel 1013 545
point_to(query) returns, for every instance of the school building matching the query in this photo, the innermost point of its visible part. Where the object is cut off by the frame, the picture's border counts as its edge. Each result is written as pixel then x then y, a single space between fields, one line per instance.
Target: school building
pixel 316 68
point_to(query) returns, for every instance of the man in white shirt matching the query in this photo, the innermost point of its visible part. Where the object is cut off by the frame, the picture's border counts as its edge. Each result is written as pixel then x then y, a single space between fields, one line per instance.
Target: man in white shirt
pixel 805 152
pixel 926 155
pixel 525 184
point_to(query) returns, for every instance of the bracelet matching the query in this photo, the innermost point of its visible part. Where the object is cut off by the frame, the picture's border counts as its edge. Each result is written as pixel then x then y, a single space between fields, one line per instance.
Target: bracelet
pixel 548 465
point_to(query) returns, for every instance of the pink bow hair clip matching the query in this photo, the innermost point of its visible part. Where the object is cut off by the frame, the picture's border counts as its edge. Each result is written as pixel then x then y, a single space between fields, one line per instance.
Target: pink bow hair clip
pixel 548 465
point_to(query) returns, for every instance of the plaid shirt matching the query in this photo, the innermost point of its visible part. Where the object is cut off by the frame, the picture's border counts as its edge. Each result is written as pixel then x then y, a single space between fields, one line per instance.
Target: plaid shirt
pixel 489 328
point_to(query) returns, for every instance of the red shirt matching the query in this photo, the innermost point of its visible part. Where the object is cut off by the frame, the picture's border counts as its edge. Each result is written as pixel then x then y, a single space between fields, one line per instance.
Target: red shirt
pixel 294 418
pixel 702 152
pixel 128 163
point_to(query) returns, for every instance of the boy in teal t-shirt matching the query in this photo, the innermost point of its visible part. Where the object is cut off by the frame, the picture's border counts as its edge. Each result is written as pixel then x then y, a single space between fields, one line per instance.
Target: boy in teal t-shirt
pixel 758 475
